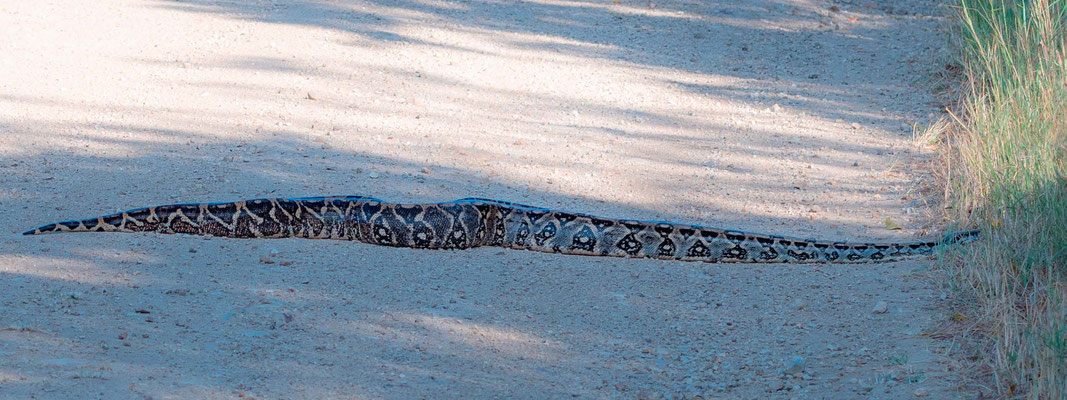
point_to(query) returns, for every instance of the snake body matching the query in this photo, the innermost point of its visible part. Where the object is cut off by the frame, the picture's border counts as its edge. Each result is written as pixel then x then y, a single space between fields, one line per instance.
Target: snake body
pixel 475 222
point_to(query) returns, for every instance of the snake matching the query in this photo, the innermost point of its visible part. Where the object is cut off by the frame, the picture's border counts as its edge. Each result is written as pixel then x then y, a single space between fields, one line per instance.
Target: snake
pixel 476 222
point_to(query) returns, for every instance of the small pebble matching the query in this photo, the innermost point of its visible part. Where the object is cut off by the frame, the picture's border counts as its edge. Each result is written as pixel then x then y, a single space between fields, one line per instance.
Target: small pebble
pixel 796 367
pixel 881 307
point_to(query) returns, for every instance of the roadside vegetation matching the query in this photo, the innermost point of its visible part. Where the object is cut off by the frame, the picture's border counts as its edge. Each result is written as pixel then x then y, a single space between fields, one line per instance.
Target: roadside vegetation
pixel 1006 174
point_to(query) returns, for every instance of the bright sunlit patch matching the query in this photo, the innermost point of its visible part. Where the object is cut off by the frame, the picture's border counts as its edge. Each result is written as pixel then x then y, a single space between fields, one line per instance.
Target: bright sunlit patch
pixel 18 377
pixel 71 269
pixel 444 5
pixel 485 335
pixel 438 333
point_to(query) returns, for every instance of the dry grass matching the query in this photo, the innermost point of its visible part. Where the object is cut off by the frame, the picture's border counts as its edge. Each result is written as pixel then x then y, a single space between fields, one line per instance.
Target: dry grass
pixel 1006 167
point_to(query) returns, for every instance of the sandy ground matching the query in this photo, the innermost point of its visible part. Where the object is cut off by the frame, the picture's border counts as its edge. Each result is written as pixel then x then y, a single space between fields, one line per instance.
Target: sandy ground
pixel 782 116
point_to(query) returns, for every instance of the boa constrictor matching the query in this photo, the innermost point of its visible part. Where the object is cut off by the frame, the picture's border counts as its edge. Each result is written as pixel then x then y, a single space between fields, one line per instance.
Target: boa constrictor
pixel 474 222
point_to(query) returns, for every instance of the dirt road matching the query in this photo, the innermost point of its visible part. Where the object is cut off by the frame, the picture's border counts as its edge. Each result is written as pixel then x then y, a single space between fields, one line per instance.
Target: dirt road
pixel 784 116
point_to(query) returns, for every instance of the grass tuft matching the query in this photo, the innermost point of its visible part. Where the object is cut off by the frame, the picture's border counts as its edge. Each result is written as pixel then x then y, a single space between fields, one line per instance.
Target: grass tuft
pixel 1006 163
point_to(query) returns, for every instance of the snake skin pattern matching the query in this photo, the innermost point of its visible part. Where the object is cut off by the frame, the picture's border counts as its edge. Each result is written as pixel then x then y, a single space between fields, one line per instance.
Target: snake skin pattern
pixel 474 222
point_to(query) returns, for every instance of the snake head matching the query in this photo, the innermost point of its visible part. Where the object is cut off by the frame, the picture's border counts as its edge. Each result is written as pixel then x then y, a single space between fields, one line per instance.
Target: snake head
pixel 960 237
